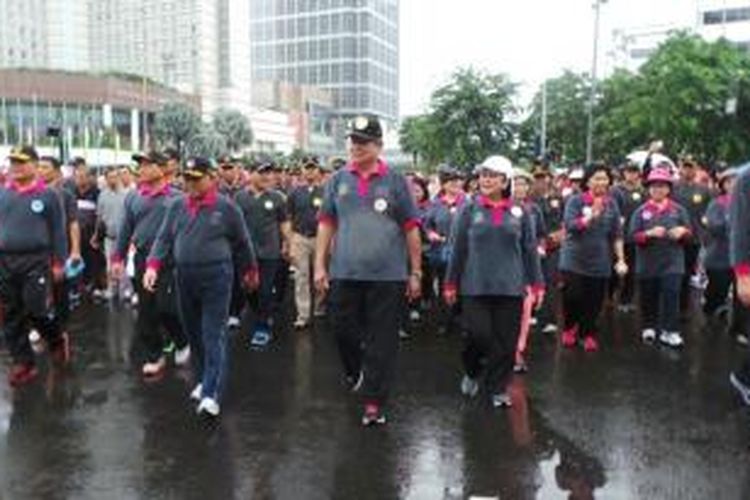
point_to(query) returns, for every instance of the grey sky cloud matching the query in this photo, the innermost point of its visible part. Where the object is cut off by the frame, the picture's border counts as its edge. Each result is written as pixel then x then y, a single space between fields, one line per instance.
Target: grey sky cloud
pixel 528 39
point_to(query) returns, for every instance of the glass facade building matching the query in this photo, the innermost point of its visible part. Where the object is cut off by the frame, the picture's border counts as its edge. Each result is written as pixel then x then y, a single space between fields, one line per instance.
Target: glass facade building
pixel 349 47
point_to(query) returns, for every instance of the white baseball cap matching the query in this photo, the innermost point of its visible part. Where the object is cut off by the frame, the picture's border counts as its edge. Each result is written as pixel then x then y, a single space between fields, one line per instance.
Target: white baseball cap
pixel 497 164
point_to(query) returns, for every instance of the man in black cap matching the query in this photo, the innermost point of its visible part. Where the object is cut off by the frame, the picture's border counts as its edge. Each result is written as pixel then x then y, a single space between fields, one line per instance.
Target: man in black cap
pixel 86 191
pixel 230 176
pixel 205 235
pixel 695 197
pixel 371 213
pixel 552 205
pixel 49 170
pixel 265 214
pixel 304 204
pixel 33 249
pixel 144 212
pixel 629 195
pixel 172 169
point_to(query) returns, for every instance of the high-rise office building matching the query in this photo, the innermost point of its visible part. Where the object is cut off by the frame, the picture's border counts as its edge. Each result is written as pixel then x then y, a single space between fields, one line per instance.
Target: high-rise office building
pixel 48 34
pixel 347 47
pixel 711 19
pixel 728 19
pixel 196 46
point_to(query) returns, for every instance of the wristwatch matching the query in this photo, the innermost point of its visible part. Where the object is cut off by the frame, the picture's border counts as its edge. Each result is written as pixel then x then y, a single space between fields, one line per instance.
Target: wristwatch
pixel 417 273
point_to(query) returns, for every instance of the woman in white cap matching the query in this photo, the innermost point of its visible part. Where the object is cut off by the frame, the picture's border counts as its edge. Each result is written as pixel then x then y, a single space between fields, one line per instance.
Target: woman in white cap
pixel 493 265
pixel 660 228
pixel 593 235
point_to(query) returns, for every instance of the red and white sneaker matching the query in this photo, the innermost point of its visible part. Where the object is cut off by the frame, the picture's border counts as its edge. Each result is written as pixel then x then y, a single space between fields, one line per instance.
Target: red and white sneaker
pixel 590 344
pixel 154 369
pixel 373 415
pixel 569 337
pixel 21 374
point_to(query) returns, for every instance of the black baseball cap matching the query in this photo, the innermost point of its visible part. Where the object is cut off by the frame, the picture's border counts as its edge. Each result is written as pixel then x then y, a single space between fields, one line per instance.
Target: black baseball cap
pixel 23 154
pixel 151 157
pixel 309 162
pixel 447 173
pixel 266 166
pixel 198 168
pixel 365 128
pixel 226 160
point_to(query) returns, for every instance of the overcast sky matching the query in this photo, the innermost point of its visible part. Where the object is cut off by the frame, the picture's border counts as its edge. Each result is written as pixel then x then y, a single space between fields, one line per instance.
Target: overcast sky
pixel 528 39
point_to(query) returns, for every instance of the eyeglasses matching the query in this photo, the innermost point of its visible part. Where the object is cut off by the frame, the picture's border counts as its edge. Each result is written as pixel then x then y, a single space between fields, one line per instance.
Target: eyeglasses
pixel 227 166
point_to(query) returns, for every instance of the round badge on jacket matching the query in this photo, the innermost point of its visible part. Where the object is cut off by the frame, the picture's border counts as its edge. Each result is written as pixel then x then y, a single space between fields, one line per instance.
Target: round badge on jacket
pixel 317 202
pixel 268 205
pixel 647 215
pixel 37 206
pixel 587 211
pixel 516 212
pixel 636 196
pixel 381 205
pixel 453 210
pixel 697 198
pixel 555 204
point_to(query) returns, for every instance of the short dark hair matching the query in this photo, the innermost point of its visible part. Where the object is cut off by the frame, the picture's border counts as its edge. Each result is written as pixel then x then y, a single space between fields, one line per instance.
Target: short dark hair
pixel 422 183
pixel 172 154
pixel 594 168
pixel 52 160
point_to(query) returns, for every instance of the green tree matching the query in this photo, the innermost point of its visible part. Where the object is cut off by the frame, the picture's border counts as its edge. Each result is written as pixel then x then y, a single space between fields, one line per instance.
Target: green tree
pixel 418 137
pixel 176 124
pixel 207 143
pixel 234 127
pixel 692 93
pixel 567 105
pixel 471 116
pixel 469 119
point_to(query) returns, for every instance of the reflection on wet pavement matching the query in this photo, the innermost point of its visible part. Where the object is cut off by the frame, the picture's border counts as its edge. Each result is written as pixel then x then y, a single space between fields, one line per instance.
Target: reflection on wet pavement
pixel 631 422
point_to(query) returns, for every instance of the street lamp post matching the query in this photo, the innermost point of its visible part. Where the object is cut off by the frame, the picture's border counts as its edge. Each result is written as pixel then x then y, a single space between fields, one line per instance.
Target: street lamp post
pixel 592 94
pixel 543 145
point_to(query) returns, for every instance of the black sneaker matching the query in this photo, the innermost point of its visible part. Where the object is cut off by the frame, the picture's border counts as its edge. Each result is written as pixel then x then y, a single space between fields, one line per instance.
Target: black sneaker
pixel 373 415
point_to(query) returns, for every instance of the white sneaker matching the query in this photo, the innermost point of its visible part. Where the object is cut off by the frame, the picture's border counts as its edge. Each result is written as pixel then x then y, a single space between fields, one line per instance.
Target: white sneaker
pixel 648 335
pixel 671 339
pixel 233 322
pixel 36 341
pixel 469 387
pixel 197 393
pixel 134 300
pixel 182 356
pixel 209 406
pixel 742 339
pixel 414 315
pixel 155 368
pixel 549 328
pixel 300 324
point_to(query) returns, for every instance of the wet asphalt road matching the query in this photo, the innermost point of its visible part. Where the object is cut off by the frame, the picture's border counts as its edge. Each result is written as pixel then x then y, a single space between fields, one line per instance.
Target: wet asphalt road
pixel 631 422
